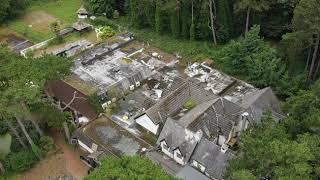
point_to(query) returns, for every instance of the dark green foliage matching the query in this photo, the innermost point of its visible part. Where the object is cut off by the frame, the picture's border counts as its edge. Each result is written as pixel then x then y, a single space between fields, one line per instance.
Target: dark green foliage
pixel 48 114
pixel 269 152
pixel 304 110
pixel 95 102
pixel 128 167
pixel 46 144
pixel 11 8
pixel 255 60
pixel 20 161
pixel 100 7
pixel 3 128
pixel 103 21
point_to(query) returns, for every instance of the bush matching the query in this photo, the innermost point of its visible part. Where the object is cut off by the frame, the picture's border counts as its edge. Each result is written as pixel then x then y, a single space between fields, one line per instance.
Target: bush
pixel 20 161
pixel 189 104
pixel 3 128
pixel 103 21
pixel 95 101
pixel 46 143
pixel 106 32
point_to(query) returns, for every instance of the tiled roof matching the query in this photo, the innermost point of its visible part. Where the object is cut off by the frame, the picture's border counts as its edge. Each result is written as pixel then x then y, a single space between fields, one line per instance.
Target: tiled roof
pixel 178 137
pixel 258 102
pixel 212 116
pixel 208 154
pixel 176 99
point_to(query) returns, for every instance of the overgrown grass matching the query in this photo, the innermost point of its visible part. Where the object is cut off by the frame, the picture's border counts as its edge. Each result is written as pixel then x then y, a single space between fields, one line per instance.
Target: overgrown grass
pixel 64 10
pixel 36 26
pixel 197 50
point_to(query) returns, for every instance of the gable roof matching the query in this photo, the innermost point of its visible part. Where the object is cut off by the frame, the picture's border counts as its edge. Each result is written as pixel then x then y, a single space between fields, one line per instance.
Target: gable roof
pixel 208 154
pixel 176 99
pixel 64 92
pixel 178 137
pixel 80 25
pixel 258 102
pixel 214 116
pixel 82 10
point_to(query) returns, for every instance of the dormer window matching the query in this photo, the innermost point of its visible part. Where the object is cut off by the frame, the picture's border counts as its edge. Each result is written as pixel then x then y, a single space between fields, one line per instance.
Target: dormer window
pixel 164 145
pixel 178 155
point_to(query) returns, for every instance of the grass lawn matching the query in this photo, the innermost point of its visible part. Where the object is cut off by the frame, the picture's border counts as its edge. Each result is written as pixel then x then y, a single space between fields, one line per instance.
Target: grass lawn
pixel 5 143
pixel 34 23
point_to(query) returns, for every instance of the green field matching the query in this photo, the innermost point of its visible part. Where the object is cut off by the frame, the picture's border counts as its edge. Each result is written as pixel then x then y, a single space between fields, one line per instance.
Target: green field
pixel 34 22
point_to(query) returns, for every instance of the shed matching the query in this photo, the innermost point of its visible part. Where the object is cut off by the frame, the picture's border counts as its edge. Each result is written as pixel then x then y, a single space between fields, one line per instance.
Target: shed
pixel 82 13
pixel 81 26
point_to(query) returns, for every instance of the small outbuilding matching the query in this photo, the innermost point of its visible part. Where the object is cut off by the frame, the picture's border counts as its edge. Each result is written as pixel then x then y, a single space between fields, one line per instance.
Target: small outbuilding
pixel 81 26
pixel 82 13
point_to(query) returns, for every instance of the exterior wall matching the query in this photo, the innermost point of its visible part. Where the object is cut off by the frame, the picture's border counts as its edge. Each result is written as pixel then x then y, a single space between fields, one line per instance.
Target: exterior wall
pixel 164 150
pixel 81 16
pixel 84 146
pixel 199 166
pixel 146 123
pixel 177 159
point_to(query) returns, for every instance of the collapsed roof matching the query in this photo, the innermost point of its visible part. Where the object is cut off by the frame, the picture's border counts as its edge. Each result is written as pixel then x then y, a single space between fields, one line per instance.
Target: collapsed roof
pixel 174 101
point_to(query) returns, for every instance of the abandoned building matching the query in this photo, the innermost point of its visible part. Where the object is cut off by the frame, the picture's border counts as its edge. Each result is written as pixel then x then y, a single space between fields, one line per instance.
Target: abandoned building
pixel 170 105
pixel 105 135
pixel 73 48
pixel 82 13
pixel 111 67
pixel 72 100
pixel 81 26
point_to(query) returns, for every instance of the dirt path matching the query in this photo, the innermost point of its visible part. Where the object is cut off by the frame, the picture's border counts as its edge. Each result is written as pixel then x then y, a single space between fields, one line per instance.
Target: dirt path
pixel 65 162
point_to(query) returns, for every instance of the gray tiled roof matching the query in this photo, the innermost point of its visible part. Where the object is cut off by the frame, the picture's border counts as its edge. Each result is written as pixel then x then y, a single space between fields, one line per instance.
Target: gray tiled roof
pixel 260 101
pixel 218 116
pixel 208 154
pixel 189 173
pixel 179 137
pixel 175 100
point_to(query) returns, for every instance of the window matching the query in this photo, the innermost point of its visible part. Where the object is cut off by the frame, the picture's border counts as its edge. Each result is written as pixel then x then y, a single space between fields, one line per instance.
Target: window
pixel 178 155
pixel 164 145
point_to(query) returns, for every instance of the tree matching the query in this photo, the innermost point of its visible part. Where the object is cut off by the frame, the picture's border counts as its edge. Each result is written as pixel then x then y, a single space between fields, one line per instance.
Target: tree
pixel 255 5
pixel 304 111
pixel 128 167
pixel 307 20
pixel 268 152
pixel 11 8
pixel 213 15
pixel 22 86
pixel 102 6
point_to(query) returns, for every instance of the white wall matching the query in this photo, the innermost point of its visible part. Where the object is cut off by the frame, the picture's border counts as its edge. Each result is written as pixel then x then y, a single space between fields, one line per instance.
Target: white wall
pixel 177 159
pixel 84 146
pixel 165 151
pixel 147 123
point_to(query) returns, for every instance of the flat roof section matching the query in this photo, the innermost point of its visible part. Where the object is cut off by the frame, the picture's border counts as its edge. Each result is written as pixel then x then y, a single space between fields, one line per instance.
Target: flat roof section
pixel 113 137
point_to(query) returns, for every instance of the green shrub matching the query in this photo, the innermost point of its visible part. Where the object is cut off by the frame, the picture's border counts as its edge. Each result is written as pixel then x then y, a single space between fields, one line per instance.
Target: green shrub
pixel 189 104
pixel 3 128
pixel 95 102
pixel 20 161
pixel 106 32
pixel 46 143
pixel 103 21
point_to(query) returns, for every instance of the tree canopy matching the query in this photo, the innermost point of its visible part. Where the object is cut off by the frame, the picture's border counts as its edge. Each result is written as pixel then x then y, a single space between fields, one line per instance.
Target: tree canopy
pixel 128 167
